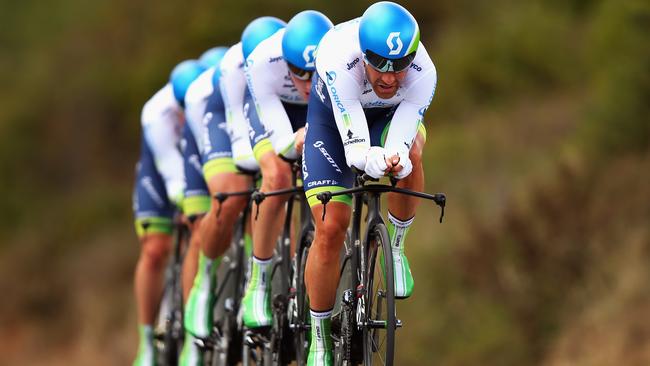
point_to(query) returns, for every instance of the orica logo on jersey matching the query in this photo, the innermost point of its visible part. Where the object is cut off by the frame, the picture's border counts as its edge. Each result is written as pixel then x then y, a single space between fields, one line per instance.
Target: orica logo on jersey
pixel 331 77
pixel 309 54
pixel 396 48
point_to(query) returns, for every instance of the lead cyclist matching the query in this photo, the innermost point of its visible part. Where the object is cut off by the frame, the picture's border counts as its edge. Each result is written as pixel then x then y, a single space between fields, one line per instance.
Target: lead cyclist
pixel 374 81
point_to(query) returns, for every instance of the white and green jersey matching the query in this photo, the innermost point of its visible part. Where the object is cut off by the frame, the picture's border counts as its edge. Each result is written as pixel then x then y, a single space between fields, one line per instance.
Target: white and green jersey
pixel 196 99
pixel 340 65
pixel 232 84
pixel 270 85
pixel 162 119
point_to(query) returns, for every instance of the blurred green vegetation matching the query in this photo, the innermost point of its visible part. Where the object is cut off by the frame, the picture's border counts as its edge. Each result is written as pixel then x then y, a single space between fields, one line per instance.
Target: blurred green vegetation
pixel 539 134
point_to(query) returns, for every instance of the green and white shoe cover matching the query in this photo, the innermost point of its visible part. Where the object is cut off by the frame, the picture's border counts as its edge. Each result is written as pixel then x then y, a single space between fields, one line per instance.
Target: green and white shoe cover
pixel 198 310
pixel 397 231
pixel 146 354
pixel 321 348
pixel 190 355
pixel 257 299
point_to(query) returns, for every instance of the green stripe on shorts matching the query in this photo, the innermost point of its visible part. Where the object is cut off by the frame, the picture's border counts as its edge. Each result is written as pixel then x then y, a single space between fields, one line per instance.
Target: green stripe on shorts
pixel 311 195
pixel 154 225
pixel 262 148
pixel 218 166
pixel 196 205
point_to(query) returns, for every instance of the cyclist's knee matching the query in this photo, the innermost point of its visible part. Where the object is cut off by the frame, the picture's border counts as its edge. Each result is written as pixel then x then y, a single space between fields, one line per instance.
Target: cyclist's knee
pixel 155 251
pixel 278 178
pixel 332 230
pixel 276 173
pixel 229 209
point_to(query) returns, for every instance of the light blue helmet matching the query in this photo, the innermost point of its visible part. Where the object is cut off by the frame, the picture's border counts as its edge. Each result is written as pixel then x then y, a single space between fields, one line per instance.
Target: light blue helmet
pixel 182 76
pixel 301 38
pixel 259 30
pixel 388 30
pixel 212 57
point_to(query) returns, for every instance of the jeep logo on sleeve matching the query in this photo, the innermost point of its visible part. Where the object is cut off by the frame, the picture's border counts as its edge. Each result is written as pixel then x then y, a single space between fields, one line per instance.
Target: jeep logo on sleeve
pixel 353 64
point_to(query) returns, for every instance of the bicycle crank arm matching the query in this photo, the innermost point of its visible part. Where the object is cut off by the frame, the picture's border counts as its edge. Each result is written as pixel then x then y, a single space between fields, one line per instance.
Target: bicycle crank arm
pixel 381 324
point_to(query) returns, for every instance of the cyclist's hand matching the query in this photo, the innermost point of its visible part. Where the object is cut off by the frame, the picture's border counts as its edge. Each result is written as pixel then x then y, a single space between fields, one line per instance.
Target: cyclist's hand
pixel 377 165
pixel 401 165
pixel 300 140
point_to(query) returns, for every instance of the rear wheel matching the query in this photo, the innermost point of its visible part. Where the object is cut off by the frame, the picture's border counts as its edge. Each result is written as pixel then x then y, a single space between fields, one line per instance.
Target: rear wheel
pixel 379 321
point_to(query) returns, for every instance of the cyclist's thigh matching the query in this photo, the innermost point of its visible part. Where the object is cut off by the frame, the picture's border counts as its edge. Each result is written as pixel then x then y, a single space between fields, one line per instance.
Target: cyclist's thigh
pixel 259 136
pixel 217 149
pixel 324 165
pixel 153 210
pixel 197 197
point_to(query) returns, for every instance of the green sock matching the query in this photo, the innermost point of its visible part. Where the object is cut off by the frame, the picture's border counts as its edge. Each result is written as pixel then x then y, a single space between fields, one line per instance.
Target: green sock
pixel 248 244
pixel 190 355
pixel 397 230
pixel 198 311
pixel 145 356
pixel 321 348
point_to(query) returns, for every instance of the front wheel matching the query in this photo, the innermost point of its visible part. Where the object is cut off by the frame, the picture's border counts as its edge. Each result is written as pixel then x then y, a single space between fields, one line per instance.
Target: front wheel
pixel 301 301
pixel 378 308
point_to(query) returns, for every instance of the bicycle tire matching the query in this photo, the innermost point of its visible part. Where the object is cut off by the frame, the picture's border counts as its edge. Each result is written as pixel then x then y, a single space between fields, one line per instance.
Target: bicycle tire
pixel 227 350
pixel 301 335
pixel 379 320
pixel 170 343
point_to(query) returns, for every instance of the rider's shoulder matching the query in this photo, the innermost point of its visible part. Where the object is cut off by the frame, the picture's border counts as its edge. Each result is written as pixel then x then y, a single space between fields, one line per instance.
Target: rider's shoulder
pixel 200 87
pixel 232 60
pixel 160 104
pixel 267 54
pixel 339 49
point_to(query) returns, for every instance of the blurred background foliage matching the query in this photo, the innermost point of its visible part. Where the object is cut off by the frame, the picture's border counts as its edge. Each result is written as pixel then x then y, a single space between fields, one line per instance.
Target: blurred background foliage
pixel 539 134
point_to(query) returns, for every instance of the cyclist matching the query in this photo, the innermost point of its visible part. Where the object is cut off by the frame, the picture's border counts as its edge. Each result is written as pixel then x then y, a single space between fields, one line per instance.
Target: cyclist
pixel 158 190
pixel 229 155
pixel 278 73
pixel 374 81
pixel 197 197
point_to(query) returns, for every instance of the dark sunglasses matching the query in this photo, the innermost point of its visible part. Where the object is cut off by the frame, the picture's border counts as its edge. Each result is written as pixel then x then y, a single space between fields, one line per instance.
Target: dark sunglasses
pixel 383 64
pixel 299 73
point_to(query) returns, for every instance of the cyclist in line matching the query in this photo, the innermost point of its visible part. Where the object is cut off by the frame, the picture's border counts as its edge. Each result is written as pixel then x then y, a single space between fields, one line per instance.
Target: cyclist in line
pixel 374 81
pixel 197 197
pixel 230 154
pixel 278 73
pixel 158 191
